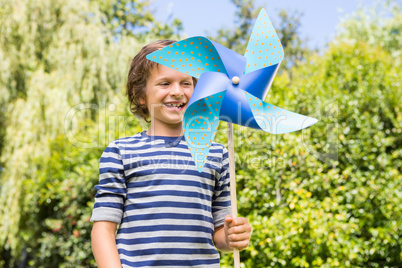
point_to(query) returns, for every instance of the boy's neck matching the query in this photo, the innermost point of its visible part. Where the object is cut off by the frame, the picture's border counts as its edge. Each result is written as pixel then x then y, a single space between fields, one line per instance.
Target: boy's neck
pixel 167 131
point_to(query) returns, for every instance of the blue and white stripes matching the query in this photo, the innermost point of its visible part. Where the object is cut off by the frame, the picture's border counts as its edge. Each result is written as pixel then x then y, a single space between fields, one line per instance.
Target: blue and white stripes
pixel 167 210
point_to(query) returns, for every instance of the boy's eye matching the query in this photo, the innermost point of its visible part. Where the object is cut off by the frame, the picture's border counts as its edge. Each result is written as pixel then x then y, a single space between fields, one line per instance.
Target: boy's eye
pixel 164 84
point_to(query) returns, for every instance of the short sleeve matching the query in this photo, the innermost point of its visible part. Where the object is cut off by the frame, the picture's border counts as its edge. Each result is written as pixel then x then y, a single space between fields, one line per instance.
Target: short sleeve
pixel 221 199
pixel 111 190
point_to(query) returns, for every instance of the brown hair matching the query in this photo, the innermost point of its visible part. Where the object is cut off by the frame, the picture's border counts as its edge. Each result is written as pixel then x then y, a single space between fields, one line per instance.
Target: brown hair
pixel 138 75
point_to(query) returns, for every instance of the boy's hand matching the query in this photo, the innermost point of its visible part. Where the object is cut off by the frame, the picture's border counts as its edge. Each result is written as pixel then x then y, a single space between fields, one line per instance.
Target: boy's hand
pixel 237 232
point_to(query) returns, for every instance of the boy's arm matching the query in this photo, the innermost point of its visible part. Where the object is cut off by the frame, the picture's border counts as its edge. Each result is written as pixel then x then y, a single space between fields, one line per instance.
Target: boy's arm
pixel 104 244
pixel 235 233
pixel 220 240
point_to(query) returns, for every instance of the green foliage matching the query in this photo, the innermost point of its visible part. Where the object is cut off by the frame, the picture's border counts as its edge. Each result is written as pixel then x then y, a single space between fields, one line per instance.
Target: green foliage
pixel 58 206
pixel 58 201
pixel 62 66
pixel 379 25
pixel 236 38
pixel 311 208
pixel 129 17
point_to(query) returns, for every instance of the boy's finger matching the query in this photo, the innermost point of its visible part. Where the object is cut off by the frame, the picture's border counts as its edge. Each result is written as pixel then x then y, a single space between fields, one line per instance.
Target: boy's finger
pixel 240 245
pixel 239 221
pixel 239 229
pixel 239 237
pixel 229 220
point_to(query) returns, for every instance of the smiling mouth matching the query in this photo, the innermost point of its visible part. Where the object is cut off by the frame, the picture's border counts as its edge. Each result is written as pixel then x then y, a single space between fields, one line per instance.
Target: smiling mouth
pixel 174 106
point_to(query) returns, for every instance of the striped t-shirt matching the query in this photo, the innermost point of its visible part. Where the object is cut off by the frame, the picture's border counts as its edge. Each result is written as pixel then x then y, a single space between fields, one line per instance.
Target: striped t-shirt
pixel 166 209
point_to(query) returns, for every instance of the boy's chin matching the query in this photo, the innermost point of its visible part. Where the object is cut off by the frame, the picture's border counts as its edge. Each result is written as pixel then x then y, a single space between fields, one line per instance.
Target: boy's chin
pixel 173 120
pixel 174 115
pixel 176 121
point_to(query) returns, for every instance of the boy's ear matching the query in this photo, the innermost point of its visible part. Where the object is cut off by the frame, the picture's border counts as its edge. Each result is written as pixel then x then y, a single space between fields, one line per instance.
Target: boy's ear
pixel 141 101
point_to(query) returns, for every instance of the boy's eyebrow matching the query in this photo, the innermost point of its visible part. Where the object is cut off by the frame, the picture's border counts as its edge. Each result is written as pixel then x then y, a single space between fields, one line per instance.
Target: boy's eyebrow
pixel 161 78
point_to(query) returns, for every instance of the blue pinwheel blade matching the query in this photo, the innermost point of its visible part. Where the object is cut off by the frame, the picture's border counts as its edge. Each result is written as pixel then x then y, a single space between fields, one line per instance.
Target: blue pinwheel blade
pixel 209 83
pixel 264 47
pixel 192 56
pixel 275 120
pixel 197 55
pixel 259 81
pixel 233 61
pixel 200 124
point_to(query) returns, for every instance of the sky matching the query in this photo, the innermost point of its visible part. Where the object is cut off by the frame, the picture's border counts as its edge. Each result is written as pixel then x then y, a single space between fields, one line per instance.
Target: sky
pixel 318 23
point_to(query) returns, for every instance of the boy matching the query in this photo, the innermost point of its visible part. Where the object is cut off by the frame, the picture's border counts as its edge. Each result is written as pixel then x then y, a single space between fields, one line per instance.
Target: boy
pixel 168 213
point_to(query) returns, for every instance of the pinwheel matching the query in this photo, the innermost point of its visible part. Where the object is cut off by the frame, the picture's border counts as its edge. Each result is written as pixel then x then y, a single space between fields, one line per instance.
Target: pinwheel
pixel 231 87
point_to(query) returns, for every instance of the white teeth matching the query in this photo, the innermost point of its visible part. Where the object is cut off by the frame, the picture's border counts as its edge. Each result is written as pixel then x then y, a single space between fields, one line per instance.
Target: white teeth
pixel 174 104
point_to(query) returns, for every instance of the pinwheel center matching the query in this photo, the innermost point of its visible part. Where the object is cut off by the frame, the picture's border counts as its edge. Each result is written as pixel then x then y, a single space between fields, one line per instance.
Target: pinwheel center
pixel 235 80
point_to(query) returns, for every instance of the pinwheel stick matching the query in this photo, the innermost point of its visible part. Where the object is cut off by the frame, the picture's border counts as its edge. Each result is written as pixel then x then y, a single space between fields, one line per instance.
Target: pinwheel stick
pixel 233 198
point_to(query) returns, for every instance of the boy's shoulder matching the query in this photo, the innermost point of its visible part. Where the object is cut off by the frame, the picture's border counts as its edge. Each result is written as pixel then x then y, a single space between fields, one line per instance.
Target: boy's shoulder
pixel 141 141
pixel 127 141
pixel 131 139
pixel 218 146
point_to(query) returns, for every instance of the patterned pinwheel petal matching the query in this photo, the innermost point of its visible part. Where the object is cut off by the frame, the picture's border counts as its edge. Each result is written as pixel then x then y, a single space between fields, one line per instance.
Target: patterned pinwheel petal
pixel 192 56
pixel 201 121
pixel 264 47
pixel 197 55
pixel 275 120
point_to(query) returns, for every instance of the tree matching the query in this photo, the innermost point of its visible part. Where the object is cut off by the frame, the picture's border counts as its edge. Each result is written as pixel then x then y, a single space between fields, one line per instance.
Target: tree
pixel 379 25
pixel 236 38
pixel 340 209
pixel 128 17
pixel 287 29
pixel 60 73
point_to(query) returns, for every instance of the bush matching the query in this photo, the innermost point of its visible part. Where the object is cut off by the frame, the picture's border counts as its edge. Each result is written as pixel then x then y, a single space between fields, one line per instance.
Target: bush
pixel 315 200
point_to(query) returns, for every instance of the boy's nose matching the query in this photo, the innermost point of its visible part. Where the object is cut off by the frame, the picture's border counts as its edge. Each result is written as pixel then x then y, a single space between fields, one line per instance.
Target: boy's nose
pixel 176 90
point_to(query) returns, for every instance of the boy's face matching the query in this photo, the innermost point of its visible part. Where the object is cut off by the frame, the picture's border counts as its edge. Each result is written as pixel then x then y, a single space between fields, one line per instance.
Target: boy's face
pixel 168 93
